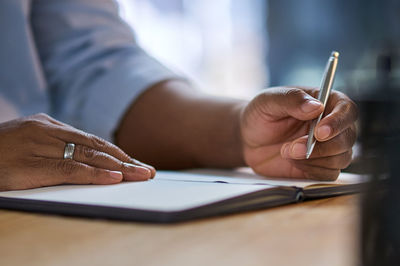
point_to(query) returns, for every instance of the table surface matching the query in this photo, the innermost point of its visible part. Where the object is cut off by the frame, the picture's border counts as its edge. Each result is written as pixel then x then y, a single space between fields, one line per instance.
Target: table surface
pixel 319 232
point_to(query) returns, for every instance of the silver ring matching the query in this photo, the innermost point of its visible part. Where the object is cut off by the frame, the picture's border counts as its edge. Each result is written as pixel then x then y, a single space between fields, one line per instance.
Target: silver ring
pixel 69 151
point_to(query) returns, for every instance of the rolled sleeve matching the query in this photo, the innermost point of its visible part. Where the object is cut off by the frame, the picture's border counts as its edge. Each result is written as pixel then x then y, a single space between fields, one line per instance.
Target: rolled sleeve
pixel 93 66
pixel 114 93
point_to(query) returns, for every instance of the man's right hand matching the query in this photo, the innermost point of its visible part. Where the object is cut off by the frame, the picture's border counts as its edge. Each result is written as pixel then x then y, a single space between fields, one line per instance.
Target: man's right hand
pixel 32 150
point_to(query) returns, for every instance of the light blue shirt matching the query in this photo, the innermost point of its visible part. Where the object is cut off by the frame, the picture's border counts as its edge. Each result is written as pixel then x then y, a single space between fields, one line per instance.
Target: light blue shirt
pixel 75 60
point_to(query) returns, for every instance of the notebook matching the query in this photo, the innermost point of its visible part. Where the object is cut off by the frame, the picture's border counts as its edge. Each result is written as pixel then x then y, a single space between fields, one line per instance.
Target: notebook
pixel 177 196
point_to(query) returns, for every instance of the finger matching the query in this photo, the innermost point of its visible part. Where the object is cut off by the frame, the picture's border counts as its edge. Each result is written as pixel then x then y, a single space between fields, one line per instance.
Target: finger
pixel 98 159
pixel 96 142
pixel 73 172
pixel 341 113
pixel 283 102
pixel 79 137
pixel 103 160
pixel 151 168
pixel 340 161
pixel 317 173
pixel 62 134
pixel 337 145
pixel 343 142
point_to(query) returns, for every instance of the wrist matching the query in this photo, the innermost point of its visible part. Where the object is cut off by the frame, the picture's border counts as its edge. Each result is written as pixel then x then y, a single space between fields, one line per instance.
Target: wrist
pixel 238 111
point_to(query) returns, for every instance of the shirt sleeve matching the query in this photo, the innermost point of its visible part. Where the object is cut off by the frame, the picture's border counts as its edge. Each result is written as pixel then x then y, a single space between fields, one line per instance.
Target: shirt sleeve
pixel 93 66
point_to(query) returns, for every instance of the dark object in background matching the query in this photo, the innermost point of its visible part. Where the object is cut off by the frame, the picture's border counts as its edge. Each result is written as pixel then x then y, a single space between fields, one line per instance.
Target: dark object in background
pixel 380 138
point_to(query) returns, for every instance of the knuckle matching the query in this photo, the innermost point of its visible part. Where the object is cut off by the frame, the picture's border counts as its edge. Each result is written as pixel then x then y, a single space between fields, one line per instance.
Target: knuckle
pixel 293 98
pixel 88 153
pixel 42 116
pixel 294 94
pixel 95 173
pixel 332 176
pixel 338 123
pixel 31 123
pixel 347 138
pixel 345 117
pixel 352 108
pixel 258 105
pixel 352 135
pixel 347 158
pixel 123 166
pixel 103 145
pixel 35 124
pixel 97 142
pixel 318 150
pixel 132 169
pixel 322 174
pixel 126 157
pixel 66 167
pixel 349 109
pixel 118 150
pixel 312 175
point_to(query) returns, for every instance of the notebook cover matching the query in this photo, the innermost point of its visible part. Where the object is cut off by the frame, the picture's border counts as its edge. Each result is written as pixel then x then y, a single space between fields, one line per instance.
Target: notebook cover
pixel 267 198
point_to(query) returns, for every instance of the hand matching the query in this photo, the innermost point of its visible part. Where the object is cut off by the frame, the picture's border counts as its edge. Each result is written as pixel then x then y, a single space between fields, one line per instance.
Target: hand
pixel 32 150
pixel 274 128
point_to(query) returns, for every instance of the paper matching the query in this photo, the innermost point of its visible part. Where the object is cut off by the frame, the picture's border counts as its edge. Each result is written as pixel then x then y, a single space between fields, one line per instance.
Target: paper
pixel 157 194
pixel 168 191
pixel 247 176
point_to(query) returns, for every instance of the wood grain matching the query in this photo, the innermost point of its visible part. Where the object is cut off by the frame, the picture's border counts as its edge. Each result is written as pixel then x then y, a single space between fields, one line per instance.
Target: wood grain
pixel 321 232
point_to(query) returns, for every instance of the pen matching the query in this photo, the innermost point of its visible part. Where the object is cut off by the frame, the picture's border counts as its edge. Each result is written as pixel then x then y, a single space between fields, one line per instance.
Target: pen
pixel 324 92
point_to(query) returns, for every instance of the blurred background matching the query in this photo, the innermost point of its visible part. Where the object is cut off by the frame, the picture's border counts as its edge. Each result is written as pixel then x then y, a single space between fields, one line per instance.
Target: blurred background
pixel 219 44
pixel 237 47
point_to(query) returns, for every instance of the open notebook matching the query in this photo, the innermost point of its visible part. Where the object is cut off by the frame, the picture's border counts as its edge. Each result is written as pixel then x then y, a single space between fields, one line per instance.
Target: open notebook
pixel 176 196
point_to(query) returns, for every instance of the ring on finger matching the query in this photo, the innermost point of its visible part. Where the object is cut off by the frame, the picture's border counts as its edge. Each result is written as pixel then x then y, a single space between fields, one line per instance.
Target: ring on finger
pixel 69 151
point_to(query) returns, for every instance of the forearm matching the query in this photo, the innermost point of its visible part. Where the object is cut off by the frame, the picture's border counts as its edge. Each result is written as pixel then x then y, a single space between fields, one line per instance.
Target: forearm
pixel 172 126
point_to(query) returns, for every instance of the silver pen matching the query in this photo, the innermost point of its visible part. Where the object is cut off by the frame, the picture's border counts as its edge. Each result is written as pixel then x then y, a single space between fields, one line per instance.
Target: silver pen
pixel 324 92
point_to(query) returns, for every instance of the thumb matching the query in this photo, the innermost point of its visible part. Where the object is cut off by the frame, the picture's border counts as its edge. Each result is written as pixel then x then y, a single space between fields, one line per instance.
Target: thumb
pixel 281 102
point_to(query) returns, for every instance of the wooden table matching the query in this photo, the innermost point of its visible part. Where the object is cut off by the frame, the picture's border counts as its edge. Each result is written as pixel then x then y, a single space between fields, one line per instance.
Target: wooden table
pixel 320 232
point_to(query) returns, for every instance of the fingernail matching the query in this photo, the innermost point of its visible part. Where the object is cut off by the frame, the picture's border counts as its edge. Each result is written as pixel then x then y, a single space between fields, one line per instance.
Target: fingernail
pixel 310 106
pixel 299 150
pixel 143 172
pixel 136 171
pixel 151 168
pixel 324 132
pixel 116 175
pixel 285 150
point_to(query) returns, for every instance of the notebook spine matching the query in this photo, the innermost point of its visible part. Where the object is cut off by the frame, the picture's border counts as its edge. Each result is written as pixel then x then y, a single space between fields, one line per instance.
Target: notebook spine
pixel 299 195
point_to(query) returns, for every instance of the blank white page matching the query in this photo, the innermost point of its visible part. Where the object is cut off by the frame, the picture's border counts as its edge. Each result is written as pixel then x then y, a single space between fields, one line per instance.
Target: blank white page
pixel 157 195
pixel 246 176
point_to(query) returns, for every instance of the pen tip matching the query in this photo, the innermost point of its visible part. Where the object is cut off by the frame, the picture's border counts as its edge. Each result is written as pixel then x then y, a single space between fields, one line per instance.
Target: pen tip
pixel 335 54
pixel 308 155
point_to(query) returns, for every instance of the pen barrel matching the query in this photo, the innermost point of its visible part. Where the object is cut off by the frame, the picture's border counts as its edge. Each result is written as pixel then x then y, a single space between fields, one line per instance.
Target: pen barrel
pixel 325 89
pixel 328 79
